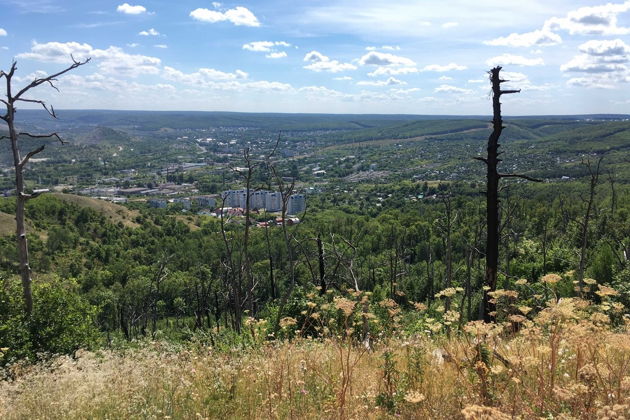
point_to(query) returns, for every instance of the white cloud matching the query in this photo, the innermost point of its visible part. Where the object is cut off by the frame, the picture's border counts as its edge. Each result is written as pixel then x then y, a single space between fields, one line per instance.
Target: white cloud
pixel 239 16
pixel 128 9
pixel 592 20
pixel 603 62
pixel 202 77
pixel 111 60
pixel 384 47
pixel 319 62
pixel 586 64
pixel 444 68
pixel 343 78
pixel 615 47
pixel 452 89
pixel 477 81
pixel 266 85
pixel 133 45
pixel 543 37
pixel 150 32
pixel 600 80
pixel 270 47
pixel 3 32
pixel 447 25
pixel 445 78
pixel 392 81
pixel 514 60
pixel 392 71
pixel 163 46
pixel 277 54
pixel 375 58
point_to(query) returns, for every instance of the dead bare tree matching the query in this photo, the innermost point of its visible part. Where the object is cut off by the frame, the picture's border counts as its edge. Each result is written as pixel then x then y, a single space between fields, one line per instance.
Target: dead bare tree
pixel 20 162
pixel 492 192
pixel 588 214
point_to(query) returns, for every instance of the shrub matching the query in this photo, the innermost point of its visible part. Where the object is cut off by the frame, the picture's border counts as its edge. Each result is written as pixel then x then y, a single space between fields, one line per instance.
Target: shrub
pixel 62 321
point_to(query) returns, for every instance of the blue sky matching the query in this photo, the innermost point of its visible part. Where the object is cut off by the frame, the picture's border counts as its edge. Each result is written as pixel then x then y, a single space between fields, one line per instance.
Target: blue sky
pixel 344 56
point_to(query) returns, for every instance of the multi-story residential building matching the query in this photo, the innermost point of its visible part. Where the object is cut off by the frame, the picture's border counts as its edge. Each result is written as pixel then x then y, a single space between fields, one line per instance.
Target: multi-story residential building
pixel 296 204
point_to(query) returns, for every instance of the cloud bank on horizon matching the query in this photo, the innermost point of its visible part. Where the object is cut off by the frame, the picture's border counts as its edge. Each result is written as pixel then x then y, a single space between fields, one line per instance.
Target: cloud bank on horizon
pixel 345 56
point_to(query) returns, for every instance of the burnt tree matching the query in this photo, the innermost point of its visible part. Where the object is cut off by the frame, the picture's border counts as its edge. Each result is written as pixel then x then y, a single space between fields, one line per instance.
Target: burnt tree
pixel 14 136
pixel 492 193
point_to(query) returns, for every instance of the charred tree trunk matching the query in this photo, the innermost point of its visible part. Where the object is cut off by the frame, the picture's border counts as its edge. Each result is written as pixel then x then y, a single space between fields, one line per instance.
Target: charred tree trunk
pixel 492 194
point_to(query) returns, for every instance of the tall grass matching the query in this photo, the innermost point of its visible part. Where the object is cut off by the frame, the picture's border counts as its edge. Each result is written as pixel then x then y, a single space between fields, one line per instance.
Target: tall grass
pixel 567 362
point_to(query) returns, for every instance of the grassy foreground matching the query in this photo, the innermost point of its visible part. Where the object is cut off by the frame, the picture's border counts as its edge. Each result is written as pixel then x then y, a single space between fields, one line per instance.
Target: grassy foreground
pixel 566 363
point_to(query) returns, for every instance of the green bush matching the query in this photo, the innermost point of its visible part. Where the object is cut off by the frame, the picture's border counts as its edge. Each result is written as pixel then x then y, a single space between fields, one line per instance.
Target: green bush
pixel 61 323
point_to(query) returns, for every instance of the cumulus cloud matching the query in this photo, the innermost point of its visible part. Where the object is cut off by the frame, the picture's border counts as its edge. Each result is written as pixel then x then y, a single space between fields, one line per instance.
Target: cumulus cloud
pixel 342 78
pixel 586 64
pixel 543 37
pixel 270 47
pixel 392 71
pixel 149 32
pixel 444 68
pixel 110 60
pixel 392 81
pixel 514 60
pixel 226 81
pixel 445 78
pixel 592 20
pixel 608 48
pixel 603 62
pixel 128 9
pixel 452 89
pixel 3 32
pixel 162 46
pixel 277 54
pixel 320 62
pixel 447 25
pixel 375 58
pixel 239 16
pixel 600 80
pixel 203 76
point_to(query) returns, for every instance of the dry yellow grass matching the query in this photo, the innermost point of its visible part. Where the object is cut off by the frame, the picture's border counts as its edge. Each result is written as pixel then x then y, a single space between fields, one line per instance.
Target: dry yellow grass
pixel 115 212
pixel 567 363
pixel 7 224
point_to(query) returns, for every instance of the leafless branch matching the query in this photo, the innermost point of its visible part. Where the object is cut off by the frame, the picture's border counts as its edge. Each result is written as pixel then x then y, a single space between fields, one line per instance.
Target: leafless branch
pixel 29 155
pixel 50 78
pixel 50 111
pixel 43 136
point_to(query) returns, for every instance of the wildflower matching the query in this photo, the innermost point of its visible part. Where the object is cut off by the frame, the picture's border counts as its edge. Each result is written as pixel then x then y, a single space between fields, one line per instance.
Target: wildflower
pixel 589 281
pixel 521 282
pixel 524 309
pixel 414 397
pixel 311 304
pixel 420 306
pixel 287 322
pixel 551 278
pixel 345 305
pixel 606 291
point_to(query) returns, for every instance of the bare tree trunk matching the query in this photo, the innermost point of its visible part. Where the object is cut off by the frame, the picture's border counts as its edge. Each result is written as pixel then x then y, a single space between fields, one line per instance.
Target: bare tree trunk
pixel 19 163
pixel 594 175
pixel 492 194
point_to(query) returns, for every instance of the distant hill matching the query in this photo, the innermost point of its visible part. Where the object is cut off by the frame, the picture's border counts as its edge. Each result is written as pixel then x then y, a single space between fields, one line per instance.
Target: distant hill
pixel 103 135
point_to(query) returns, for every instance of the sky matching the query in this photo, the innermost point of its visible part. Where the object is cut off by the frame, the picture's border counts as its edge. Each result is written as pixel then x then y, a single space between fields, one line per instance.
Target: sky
pixel 323 56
